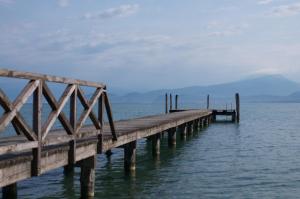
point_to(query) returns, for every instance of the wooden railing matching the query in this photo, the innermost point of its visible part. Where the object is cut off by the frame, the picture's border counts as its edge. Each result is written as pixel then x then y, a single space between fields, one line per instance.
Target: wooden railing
pixel 37 88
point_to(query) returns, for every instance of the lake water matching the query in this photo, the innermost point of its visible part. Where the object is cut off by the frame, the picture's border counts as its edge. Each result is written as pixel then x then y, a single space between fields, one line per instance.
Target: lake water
pixel 258 158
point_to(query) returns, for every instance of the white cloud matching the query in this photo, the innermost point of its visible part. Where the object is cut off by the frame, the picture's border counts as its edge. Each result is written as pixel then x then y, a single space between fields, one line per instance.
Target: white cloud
pixel 6 1
pixel 264 2
pixel 121 11
pixel 286 10
pixel 63 3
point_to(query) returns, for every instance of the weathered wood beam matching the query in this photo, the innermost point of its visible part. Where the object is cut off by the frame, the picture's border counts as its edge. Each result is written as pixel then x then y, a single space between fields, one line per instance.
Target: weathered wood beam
pixel 110 116
pixel 50 78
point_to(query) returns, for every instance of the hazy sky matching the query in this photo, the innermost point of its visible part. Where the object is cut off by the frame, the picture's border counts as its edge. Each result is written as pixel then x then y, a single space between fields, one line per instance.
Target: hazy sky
pixel 152 43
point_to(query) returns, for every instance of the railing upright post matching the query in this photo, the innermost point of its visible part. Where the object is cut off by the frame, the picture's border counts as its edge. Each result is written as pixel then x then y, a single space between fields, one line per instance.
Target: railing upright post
pixel 37 128
pixel 73 122
pixel 101 120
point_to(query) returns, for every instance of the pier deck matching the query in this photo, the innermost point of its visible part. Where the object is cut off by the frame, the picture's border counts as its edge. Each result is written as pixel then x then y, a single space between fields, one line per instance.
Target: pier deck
pixel 41 148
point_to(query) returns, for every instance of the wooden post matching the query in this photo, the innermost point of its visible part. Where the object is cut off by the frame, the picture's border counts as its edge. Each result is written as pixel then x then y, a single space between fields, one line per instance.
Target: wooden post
pixel 201 123
pixel 207 102
pixel 129 156
pixel 237 101
pixel 101 109
pixel 189 129
pixel 69 169
pixel 176 102
pixel 182 131
pixel 171 103
pixel 37 128
pixel 166 103
pixel 87 177
pixel 172 136
pixel 108 154
pixel 155 144
pixel 10 191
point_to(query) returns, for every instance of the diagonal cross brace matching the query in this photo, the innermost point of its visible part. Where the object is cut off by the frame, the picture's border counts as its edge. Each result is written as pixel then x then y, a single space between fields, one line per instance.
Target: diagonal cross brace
pixel 12 110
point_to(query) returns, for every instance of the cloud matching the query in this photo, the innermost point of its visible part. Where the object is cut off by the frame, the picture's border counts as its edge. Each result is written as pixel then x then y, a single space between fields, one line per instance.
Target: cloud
pixel 6 1
pixel 264 2
pixel 286 10
pixel 121 11
pixel 63 3
pixel 220 29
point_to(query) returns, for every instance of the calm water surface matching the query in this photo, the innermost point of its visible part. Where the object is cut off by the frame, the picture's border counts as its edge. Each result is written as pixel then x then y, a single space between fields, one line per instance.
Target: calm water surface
pixel 259 158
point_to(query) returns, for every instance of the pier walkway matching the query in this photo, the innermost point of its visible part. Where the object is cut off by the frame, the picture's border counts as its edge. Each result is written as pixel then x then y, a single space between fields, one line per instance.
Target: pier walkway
pixel 39 148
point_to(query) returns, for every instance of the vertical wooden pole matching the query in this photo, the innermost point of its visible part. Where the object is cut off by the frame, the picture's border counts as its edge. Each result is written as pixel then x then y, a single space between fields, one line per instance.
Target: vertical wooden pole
pixel 182 131
pixel 155 144
pixel 10 191
pixel 87 177
pixel 189 129
pixel 166 103
pixel 69 169
pixel 172 137
pixel 171 102
pixel 101 120
pixel 207 102
pixel 129 156
pixel 37 128
pixel 176 102
pixel 237 101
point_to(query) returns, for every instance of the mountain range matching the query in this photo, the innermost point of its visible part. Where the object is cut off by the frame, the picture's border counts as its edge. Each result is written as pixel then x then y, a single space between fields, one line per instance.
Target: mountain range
pixel 269 88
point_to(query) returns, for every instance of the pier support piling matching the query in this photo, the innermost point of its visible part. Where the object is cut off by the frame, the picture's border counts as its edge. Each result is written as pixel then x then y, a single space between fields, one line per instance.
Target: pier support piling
pixel 87 177
pixel 129 156
pixel 69 170
pixel 10 191
pixel 155 144
pixel 172 137
pixel 189 128
pixel 182 131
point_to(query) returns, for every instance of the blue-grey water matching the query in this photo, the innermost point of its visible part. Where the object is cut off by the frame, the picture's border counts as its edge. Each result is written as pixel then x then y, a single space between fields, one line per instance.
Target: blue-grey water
pixel 258 158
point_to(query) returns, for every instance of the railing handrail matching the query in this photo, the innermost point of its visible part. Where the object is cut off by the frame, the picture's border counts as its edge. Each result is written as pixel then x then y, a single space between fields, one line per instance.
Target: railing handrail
pixel 48 78
pixel 37 87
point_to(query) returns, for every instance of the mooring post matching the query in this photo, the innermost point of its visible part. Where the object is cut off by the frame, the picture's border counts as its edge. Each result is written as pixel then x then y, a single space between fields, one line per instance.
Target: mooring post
pixel 129 156
pixel 176 102
pixel 87 177
pixel 10 191
pixel 207 102
pixel 166 103
pixel 171 102
pixel 155 144
pixel 172 136
pixel 237 101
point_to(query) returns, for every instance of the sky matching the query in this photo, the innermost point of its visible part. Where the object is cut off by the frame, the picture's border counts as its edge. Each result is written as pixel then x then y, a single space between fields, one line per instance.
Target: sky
pixel 145 45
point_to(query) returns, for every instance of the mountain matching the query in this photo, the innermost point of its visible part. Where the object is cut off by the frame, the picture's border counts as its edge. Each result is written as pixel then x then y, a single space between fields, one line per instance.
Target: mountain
pixel 265 87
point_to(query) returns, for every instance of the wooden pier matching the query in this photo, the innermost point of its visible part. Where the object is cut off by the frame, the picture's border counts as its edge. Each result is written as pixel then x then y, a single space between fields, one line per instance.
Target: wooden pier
pixel 39 148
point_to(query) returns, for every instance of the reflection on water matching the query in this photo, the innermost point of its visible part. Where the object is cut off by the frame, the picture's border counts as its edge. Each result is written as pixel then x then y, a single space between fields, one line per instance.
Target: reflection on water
pixel 256 159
